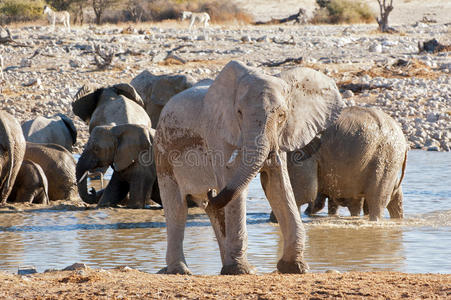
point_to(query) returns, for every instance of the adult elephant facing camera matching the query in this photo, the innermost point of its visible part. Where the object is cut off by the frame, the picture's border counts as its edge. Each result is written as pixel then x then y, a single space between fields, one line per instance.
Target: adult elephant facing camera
pixel 121 147
pixel 253 119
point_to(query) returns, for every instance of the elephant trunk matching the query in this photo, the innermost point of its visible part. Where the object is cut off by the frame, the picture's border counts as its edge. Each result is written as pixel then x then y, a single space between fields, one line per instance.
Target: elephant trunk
pixel 254 155
pixel 83 167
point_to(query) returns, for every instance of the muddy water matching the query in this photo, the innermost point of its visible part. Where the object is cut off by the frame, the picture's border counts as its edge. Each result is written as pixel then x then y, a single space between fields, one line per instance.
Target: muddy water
pixel 110 237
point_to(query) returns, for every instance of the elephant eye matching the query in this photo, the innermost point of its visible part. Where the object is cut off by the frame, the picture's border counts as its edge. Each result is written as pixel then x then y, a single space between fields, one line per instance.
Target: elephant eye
pixel 240 113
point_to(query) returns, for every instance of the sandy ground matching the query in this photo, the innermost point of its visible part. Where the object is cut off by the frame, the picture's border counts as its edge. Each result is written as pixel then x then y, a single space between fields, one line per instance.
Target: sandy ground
pixel 126 283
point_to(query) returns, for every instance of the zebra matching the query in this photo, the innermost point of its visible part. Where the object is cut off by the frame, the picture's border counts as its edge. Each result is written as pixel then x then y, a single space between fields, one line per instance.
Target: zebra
pixel 57 16
pixel 202 17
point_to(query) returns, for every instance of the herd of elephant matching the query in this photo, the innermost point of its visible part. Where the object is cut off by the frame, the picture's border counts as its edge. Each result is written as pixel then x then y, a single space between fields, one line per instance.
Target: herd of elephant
pixel 176 141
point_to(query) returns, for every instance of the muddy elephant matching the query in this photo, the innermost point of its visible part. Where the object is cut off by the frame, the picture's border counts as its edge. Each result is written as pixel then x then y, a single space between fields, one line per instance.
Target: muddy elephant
pixel 127 149
pixel 59 168
pixel 58 129
pixel 156 90
pixel 114 105
pixel 12 150
pixel 31 184
pixel 253 119
pixel 359 158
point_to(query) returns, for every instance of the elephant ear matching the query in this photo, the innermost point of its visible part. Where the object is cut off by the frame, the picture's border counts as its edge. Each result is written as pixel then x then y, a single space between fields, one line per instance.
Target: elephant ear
pixel 70 126
pixel 128 91
pixel 132 141
pixel 220 100
pixel 85 102
pixel 314 103
pixel 167 86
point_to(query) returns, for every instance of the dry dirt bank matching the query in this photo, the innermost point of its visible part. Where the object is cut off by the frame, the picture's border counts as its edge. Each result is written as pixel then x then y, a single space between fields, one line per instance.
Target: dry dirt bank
pixel 126 283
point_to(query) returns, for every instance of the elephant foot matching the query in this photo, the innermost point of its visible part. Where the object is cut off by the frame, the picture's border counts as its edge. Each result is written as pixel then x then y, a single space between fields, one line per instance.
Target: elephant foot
pixel 292 267
pixel 272 218
pixel 238 269
pixel 181 269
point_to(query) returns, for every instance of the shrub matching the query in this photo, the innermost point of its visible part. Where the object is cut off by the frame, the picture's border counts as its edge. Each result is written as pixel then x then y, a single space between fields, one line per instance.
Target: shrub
pixel 342 11
pixel 20 10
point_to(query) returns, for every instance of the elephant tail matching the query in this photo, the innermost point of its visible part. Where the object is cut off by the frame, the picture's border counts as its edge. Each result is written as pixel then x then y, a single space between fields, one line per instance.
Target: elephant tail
pixel 403 171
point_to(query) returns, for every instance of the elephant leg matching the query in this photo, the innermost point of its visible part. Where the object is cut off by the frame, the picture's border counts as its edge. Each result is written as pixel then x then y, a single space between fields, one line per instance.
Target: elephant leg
pixel 25 196
pixel 394 207
pixel 41 197
pixel 377 197
pixel 139 192
pixel 332 207
pixel 317 205
pixel 115 191
pixel 175 211
pixel 277 187
pixel 355 206
pixel 230 228
pixel 366 210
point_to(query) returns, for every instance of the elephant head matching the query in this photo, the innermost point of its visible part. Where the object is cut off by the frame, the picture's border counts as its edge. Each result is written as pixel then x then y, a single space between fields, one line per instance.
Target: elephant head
pixel 262 115
pixel 87 99
pixel 119 146
pixel 157 90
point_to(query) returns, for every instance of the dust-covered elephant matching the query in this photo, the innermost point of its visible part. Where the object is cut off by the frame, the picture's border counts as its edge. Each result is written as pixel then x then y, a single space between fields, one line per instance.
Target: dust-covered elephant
pixel 59 168
pixel 156 90
pixel 127 149
pixel 218 137
pixel 58 129
pixel 31 184
pixel 12 150
pixel 358 158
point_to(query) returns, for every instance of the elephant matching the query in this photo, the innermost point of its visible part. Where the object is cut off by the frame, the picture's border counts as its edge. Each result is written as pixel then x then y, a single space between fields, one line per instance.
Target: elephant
pixel 114 105
pixel 12 150
pixel 253 118
pixel 128 149
pixel 157 90
pixel 58 129
pixel 31 184
pixel 59 168
pixel 358 161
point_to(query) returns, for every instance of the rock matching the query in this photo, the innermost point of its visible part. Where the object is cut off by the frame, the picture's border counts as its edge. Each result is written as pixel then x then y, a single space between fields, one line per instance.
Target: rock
pixel 25 63
pixel 26 270
pixel 348 94
pixel 76 266
pixel 375 48
pixel 333 272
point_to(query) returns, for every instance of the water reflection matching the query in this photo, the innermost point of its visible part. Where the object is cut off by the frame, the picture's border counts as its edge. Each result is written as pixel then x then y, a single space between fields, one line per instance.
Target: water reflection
pixel 352 249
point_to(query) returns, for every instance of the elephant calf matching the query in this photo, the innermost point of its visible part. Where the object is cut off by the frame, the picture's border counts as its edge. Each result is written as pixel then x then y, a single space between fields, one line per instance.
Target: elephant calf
pixel 31 184
pixel 59 167
pixel 58 129
pixel 358 159
pixel 127 149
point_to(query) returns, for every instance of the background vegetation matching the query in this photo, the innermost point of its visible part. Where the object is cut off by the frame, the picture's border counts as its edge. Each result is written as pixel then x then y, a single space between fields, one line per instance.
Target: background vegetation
pixel 115 11
pixel 342 11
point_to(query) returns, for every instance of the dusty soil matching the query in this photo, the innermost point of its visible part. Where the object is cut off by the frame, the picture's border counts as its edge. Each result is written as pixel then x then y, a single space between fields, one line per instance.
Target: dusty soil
pixel 126 283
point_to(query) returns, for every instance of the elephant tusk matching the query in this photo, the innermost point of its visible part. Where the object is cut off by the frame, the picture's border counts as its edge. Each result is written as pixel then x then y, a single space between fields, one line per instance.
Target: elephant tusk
pixel 232 158
pixel 83 176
